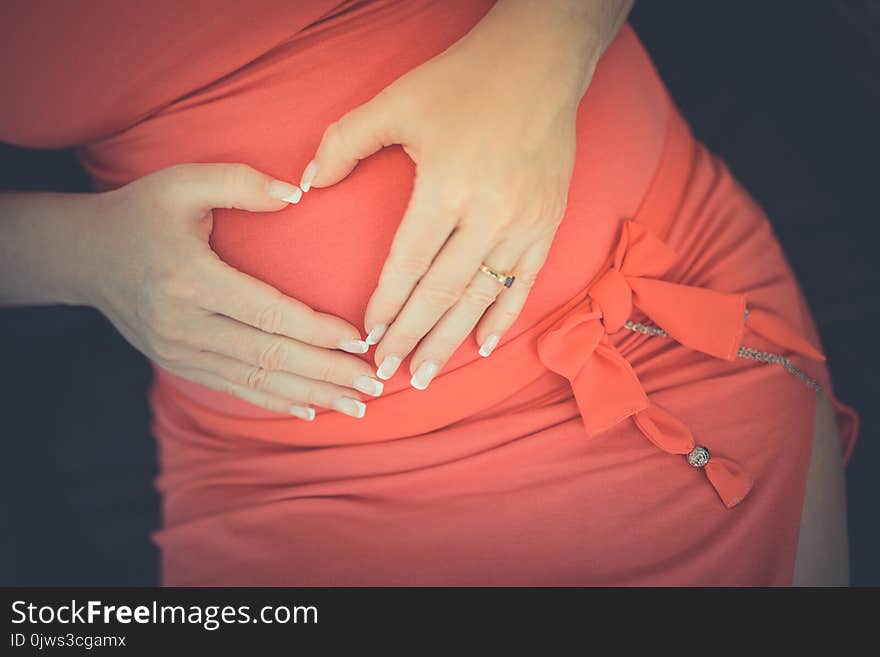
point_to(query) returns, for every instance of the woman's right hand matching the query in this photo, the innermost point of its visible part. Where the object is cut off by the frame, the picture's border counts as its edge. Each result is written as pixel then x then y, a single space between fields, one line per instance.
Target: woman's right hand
pixel 157 279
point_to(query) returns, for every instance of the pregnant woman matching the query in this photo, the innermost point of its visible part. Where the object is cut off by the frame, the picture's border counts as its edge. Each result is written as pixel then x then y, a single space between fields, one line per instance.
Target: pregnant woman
pixel 437 293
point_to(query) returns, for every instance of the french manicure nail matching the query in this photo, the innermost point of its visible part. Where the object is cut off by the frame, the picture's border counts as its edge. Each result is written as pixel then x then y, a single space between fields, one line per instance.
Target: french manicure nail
pixel 490 344
pixel 285 191
pixel 303 412
pixel 308 176
pixel 354 346
pixel 368 385
pixel 424 374
pixel 377 333
pixel 388 367
pixel 350 406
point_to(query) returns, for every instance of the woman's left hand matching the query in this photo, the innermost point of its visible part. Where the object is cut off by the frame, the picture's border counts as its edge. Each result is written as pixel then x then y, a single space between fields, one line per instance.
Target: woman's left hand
pixel 490 125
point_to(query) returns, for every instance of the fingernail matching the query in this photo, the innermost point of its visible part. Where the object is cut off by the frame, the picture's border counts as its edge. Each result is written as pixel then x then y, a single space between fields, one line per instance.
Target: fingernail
pixel 354 346
pixel 285 191
pixel 368 385
pixel 424 374
pixel 490 344
pixel 308 176
pixel 388 367
pixel 377 333
pixel 350 406
pixel 303 412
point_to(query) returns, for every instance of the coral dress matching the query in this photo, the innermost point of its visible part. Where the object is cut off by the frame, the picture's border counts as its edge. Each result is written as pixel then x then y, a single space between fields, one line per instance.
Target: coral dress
pixel 648 419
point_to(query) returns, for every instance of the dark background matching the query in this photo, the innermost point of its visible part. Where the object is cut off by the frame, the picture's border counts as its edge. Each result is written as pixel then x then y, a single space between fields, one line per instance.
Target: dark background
pixel 786 92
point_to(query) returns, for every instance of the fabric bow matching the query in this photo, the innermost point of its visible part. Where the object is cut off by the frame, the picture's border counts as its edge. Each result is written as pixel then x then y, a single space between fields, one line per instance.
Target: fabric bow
pixel 605 386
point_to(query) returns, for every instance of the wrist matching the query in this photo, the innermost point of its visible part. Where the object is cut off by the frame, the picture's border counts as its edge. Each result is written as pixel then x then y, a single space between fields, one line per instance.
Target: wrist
pixel 64 249
pixel 522 47
pixel 80 265
pixel 67 237
pixel 558 42
pixel 39 245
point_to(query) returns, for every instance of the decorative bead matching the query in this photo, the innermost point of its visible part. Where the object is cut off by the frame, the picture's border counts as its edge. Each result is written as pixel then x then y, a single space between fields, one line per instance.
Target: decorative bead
pixel 698 457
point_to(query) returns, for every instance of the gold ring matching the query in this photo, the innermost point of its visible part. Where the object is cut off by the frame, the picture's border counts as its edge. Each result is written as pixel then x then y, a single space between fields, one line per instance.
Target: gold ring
pixel 505 279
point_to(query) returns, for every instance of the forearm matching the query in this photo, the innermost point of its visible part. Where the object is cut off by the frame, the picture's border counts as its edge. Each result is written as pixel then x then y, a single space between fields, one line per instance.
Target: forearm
pixel 566 36
pixel 44 247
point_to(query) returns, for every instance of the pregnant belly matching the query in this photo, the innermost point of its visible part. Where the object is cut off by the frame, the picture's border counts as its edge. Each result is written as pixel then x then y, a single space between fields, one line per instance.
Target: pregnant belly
pixel 328 250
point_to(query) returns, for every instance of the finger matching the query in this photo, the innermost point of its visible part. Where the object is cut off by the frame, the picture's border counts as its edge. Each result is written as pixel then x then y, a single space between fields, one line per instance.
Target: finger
pixel 278 353
pixel 292 387
pixel 255 397
pixel 203 187
pixel 425 227
pixel 353 137
pixel 255 303
pixel 504 312
pixel 483 291
pixel 437 292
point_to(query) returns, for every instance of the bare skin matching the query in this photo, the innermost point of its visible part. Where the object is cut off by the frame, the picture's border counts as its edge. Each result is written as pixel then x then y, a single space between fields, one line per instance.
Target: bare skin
pixel 823 551
pixel 140 254
pixel 275 352
pixel 494 149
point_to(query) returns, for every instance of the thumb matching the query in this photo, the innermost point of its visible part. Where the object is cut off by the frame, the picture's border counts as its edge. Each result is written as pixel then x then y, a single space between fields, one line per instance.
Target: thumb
pixel 355 136
pixel 202 187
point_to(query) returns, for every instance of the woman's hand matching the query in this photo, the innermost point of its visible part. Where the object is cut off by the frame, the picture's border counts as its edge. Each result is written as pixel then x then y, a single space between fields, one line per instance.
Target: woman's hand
pixel 141 256
pixel 199 318
pixel 490 124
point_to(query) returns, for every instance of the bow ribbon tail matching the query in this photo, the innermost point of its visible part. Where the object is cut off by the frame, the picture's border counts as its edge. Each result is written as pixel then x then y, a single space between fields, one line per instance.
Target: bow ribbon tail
pixel 607 390
pixel 778 331
pixel 729 480
pixel 604 384
pixel 671 435
pixel 665 430
pixel 700 319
